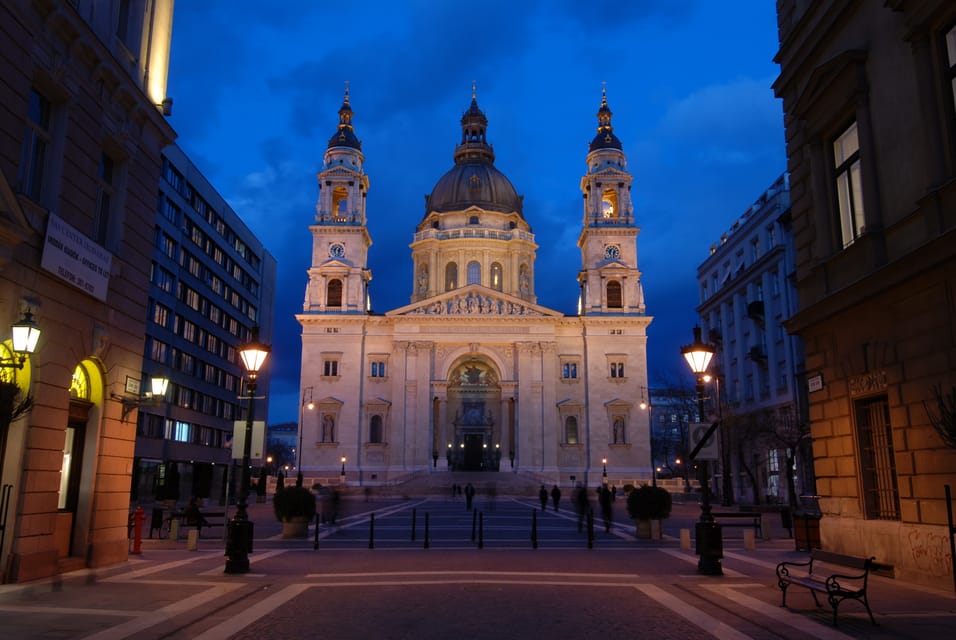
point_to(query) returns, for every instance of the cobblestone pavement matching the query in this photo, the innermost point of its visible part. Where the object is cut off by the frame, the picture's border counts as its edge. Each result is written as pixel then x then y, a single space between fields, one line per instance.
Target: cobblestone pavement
pixel 619 588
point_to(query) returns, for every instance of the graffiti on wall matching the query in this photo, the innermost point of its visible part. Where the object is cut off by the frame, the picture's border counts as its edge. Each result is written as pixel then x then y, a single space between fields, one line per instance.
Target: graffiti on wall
pixel 930 552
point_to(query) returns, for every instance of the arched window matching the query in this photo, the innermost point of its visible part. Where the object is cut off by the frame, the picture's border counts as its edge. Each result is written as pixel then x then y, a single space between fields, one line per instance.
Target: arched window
pixel 474 273
pixel 340 202
pixel 451 276
pixel 614 297
pixel 571 430
pixel 609 203
pixel 496 276
pixel 375 429
pixel 333 294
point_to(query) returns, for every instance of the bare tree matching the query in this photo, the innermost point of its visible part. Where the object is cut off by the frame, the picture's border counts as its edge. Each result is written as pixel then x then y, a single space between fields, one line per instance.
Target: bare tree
pixel 942 414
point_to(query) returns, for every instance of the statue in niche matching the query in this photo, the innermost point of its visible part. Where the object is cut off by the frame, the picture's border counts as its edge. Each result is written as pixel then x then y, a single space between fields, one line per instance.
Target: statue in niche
pixel 328 428
pixel 423 279
pixel 618 430
pixel 524 280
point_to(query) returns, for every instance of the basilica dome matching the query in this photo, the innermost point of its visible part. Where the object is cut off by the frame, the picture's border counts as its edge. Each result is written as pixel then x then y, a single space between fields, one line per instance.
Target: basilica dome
pixel 474 180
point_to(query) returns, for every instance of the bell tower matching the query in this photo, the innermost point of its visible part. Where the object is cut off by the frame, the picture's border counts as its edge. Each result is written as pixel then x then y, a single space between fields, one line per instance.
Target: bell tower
pixel 339 275
pixel 609 279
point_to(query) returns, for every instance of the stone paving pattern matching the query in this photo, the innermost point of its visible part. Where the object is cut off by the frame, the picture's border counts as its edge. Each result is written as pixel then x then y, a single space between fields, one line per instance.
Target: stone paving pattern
pixel 620 588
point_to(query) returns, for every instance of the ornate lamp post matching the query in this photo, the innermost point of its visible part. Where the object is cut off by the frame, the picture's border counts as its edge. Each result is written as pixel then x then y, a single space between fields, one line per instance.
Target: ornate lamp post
pixel 24 335
pixel 709 536
pixel 604 475
pixel 239 532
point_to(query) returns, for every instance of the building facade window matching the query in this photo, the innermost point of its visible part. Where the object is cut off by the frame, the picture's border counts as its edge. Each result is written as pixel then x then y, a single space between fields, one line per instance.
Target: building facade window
pixel 378 369
pixel 375 435
pixel 616 370
pixel 330 368
pixel 496 276
pixel 881 498
pixel 614 296
pixel 951 59
pixel 451 276
pixel 569 370
pixel 36 144
pixel 474 272
pixel 333 294
pixel 849 184
pixel 103 221
pixel 571 430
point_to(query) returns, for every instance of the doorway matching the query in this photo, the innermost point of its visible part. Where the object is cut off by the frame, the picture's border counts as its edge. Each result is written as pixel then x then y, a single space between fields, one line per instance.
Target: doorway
pixel 473 452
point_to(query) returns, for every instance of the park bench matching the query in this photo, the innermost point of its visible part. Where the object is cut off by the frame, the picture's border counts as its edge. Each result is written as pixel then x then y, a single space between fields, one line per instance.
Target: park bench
pixel 837 586
pixel 735 519
pixel 206 519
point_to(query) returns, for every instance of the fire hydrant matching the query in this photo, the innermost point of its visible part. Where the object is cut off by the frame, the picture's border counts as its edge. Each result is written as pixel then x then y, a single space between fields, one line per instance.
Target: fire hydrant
pixel 138 517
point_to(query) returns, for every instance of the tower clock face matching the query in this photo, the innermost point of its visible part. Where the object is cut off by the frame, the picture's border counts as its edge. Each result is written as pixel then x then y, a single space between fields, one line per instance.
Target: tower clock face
pixel 337 250
pixel 612 252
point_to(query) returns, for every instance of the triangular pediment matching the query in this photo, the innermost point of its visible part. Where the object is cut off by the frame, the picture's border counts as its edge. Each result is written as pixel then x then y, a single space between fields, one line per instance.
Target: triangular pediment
pixel 474 300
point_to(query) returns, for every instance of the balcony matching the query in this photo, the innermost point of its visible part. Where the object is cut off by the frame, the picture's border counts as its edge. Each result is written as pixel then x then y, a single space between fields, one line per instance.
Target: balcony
pixel 757 354
pixel 755 311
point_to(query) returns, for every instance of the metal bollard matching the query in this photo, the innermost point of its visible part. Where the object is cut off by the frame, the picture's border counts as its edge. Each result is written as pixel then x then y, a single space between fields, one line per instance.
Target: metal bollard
pixel 371 532
pixel 590 529
pixel 474 522
pixel 414 516
pixel 426 529
pixel 481 530
pixel 318 519
pixel 534 528
pixel 138 517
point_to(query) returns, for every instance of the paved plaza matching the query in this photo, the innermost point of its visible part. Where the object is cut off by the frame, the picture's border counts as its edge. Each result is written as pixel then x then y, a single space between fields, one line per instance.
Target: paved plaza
pixel 380 581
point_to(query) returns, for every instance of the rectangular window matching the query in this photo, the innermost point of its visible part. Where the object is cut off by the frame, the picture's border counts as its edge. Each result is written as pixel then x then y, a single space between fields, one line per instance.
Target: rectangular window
pixel 36 142
pixel 569 370
pixel 754 249
pixel 159 351
pixel 849 184
pixel 330 368
pixel 771 237
pixel 103 221
pixel 881 499
pixel 378 369
pixel 160 314
pixel 951 59
pixel 617 369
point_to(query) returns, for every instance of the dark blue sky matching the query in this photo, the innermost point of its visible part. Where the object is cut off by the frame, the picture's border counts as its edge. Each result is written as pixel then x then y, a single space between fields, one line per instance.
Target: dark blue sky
pixel 257 92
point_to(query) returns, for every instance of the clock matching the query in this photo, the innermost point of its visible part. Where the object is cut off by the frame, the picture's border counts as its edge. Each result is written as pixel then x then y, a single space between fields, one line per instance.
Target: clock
pixel 337 250
pixel 612 252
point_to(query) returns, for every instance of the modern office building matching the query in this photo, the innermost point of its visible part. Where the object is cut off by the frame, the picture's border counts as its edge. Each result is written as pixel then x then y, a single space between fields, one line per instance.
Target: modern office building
pixel 211 284
pixel 746 296
pixel 474 374
pixel 868 95
pixel 83 88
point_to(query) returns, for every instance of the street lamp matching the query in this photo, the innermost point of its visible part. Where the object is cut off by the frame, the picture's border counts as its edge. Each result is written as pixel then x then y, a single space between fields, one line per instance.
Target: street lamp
pixel 303 405
pixel 709 537
pixel 343 467
pixel 604 475
pixel 25 335
pixel 727 490
pixel 239 532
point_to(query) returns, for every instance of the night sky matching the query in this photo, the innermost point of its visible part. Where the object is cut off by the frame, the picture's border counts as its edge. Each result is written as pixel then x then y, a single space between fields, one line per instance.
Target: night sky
pixel 257 87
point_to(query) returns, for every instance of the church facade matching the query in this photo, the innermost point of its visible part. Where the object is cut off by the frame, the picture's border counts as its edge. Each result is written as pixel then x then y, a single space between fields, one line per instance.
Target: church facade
pixel 474 374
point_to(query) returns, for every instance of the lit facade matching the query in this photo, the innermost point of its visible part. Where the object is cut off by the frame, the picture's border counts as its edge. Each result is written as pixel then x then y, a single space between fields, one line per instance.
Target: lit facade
pixel 474 374
pixel 746 296
pixel 78 175
pixel 868 95
pixel 211 283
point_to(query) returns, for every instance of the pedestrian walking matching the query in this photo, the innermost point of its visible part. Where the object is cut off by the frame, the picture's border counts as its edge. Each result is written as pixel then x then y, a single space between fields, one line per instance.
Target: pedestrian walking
pixel 556 497
pixel 581 504
pixel 469 496
pixel 604 500
pixel 543 496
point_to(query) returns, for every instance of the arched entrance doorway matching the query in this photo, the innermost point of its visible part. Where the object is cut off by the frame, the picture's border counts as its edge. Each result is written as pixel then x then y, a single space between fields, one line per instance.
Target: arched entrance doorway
pixel 474 408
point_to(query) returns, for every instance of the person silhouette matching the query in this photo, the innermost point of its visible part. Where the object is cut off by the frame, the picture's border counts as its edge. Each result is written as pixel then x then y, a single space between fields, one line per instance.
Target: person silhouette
pixel 543 496
pixel 469 496
pixel 555 497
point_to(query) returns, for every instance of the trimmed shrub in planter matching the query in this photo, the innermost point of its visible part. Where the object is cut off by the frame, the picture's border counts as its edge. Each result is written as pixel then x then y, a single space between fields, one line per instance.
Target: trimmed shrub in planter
pixel 647 503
